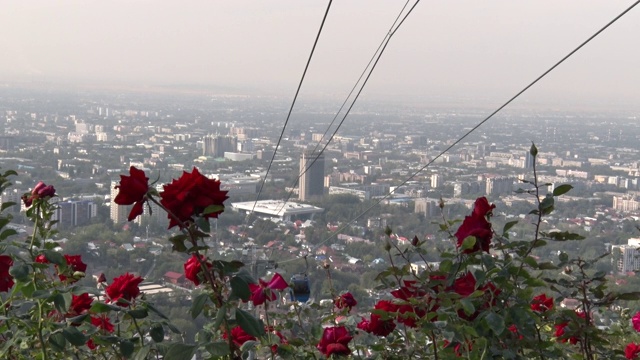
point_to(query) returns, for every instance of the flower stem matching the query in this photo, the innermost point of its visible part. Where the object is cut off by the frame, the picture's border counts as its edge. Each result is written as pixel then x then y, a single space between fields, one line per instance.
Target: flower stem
pixel 135 322
pixel 40 336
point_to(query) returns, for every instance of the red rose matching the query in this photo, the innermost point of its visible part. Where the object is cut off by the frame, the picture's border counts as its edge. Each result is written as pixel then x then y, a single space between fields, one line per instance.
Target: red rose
pixel 79 304
pixel 561 330
pixel 335 340
pixel 263 292
pixel 482 207
pixel 478 227
pixel 190 195
pixel 541 303
pixel 239 336
pixel 124 287
pixel 193 267
pixel 91 345
pixel 6 280
pixel 41 190
pixel 74 263
pixel 464 285
pixel 133 190
pixel 514 330
pixel 345 300
pixel 41 259
pixel 409 290
pixel 103 322
pixel 376 325
pixel 632 351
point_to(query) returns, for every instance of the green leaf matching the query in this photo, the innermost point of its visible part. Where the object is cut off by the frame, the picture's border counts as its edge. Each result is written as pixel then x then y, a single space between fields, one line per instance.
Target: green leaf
pixel 62 301
pixel 563 257
pixel 178 242
pixel 140 313
pixel 495 322
pixel 20 272
pixel 508 226
pixel 547 266
pixel 468 243
pixel 126 348
pixel 98 307
pixel 249 324
pixel 203 224
pixel 57 341
pixel 240 285
pixel 467 306
pixel 74 336
pixel 635 295
pixel 198 304
pixel 218 348
pixel 212 209
pixel 179 351
pixel 157 332
pixel 142 353
pixel 562 189
pixel 153 308
pixel 6 233
pixel 55 257
pixel 222 312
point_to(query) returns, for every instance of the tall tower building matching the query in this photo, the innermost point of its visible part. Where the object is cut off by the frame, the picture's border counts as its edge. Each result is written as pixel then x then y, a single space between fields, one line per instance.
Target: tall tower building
pixel 119 213
pixel 312 182
pixel 528 161
pixel 216 146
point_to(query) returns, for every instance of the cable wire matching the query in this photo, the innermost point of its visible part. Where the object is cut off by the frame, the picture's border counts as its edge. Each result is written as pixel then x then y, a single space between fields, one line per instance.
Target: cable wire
pixel 379 51
pixel 295 97
pixel 476 126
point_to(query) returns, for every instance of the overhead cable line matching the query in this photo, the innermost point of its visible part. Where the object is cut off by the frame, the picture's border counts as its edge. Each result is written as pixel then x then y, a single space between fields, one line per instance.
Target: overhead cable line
pixel 373 57
pixel 295 97
pixel 336 232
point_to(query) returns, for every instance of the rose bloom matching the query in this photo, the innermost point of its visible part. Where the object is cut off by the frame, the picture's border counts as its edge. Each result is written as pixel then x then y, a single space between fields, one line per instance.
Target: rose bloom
pixel 133 191
pixel 476 225
pixel 238 336
pixel 103 322
pixel 541 303
pixel 632 351
pixel 6 280
pixel 190 195
pixel 74 263
pixel 124 287
pixel 345 300
pixel 335 340
pixel 41 190
pixel 635 320
pixel 376 325
pixel 79 304
pixel 192 268
pixel 264 290
pixel 560 330
pixel 465 285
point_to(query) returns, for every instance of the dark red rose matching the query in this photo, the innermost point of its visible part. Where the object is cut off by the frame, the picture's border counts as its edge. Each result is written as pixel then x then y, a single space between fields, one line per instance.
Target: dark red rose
pixel 79 304
pixel 478 227
pixel 415 241
pixel 561 330
pixel 91 345
pixel 264 290
pixel 193 267
pixel 41 259
pixel 133 190
pixel 409 290
pixel 238 336
pixel 102 278
pixel 376 325
pixel 124 287
pixel 103 322
pixel 482 207
pixel 74 263
pixel 541 303
pixel 345 300
pixel 6 280
pixel 41 190
pixel 464 285
pixel 631 351
pixel 190 195
pixel 335 340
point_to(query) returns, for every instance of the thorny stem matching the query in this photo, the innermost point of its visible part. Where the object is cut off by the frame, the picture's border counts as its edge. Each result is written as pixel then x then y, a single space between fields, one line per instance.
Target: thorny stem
pixel 40 336
pixel 266 318
pixel 539 340
pixel 536 236
pixel 35 229
pixel 139 331
pixel 435 345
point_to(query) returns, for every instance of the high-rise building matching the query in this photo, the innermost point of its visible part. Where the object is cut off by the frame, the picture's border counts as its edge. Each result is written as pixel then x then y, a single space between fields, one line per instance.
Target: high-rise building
pixel 119 213
pixel 436 181
pixel 216 145
pixel 312 182
pixel 528 160
pixel 72 213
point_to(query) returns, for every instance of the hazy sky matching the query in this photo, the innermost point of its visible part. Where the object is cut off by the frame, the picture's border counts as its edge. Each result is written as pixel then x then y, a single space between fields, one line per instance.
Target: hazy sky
pixel 465 49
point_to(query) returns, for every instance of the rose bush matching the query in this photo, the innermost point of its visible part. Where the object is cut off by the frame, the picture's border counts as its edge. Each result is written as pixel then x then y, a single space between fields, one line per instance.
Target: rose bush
pixel 489 296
